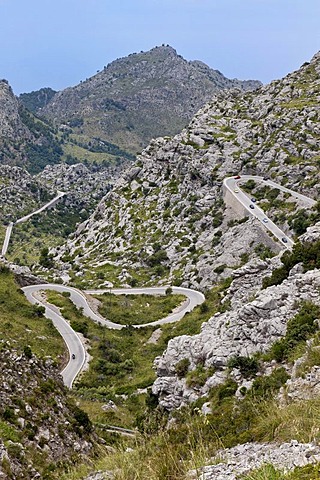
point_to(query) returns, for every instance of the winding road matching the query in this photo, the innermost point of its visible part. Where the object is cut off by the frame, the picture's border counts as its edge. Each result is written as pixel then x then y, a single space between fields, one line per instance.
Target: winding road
pixel 232 184
pixel 193 298
pixel 79 298
pixel 25 218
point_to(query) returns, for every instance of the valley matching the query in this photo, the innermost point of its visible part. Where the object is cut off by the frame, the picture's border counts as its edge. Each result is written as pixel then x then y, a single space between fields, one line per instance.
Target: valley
pixel 173 292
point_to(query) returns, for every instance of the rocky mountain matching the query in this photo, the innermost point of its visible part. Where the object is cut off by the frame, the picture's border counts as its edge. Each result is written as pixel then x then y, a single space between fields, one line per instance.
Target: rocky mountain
pixel 36 100
pixel 24 140
pixel 13 133
pixel 136 98
pixel 165 220
pixel 11 126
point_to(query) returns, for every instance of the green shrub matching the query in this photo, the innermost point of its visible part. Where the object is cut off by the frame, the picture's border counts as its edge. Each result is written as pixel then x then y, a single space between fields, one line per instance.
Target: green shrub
pixel 307 253
pixel 248 366
pixel 8 414
pixel 198 376
pixel 157 258
pixel 299 329
pixel 82 419
pixel 27 351
pixel 81 327
pixel 266 386
pixel 220 268
pixel 182 367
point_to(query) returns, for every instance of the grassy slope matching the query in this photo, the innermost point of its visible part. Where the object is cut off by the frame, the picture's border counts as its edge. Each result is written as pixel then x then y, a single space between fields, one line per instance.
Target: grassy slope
pixel 22 324
pixel 139 308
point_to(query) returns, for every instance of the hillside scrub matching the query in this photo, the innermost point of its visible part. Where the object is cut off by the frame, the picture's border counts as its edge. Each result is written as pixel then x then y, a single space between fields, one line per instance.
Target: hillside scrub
pixel 140 309
pixel 24 324
pixel 306 253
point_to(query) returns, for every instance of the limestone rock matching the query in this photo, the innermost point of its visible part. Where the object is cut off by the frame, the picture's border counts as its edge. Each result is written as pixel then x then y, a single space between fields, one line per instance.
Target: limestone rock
pixel 235 462
pixel 246 329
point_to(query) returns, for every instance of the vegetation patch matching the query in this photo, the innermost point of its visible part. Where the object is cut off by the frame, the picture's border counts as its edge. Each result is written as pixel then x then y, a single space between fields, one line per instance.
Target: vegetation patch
pixel 25 324
pixel 306 253
pixel 301 327
pixel 137 309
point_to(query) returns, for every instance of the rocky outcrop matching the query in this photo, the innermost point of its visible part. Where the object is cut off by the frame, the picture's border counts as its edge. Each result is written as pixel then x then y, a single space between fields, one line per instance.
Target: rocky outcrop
pixel 38 417
pixel 100 476
pixel 233 463
pixel 11 126
pixel 245 330
pixel 247 280
pixel 84 186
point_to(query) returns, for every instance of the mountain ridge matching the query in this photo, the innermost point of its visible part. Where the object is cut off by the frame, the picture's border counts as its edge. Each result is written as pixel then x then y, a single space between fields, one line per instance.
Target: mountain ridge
pixel 138 97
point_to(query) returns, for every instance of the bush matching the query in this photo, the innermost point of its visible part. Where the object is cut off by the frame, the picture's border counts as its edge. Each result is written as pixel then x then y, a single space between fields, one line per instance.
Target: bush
pixel 182 367
pixel 269 385
pixel 204 307
pixel 248 366
pixel 81 327
pixel 220 268
pixel 157 258
pixel 82 419
pixel 27 351
pixel 299 329
pixel 227 389
pixel 198 377
pixel 8 414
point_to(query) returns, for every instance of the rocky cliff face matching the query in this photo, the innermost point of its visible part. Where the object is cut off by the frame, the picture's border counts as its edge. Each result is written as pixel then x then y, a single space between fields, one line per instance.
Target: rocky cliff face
pixel 166 220
pixel 11 126
pixel 40 427
pixel 139 97
pixel 243 331
pixel 13 133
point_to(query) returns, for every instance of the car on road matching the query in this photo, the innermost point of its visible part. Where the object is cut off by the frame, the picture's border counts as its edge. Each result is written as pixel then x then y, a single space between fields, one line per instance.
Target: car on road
pixel 284 240
pixel 251 206
pixel 265 220
pixel 73 356
pixel 237 177
pixel 236 190
pixel 253 200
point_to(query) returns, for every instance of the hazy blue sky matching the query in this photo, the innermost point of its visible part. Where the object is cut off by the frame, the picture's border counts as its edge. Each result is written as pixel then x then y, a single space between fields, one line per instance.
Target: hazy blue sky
pixel 57 43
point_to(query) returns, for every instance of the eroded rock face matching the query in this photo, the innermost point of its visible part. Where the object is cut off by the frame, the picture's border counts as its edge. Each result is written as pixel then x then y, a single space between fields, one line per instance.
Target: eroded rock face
pixel 245 330
pixel 312 234
pixel 11 126
pixel 240 460
pixel 247 280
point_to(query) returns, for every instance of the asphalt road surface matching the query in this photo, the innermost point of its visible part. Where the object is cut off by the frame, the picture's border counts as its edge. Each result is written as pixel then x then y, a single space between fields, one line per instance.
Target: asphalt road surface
pixel 233 185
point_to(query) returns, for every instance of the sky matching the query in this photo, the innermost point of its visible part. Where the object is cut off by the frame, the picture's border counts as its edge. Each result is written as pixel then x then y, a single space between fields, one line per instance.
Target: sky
pixel 57 43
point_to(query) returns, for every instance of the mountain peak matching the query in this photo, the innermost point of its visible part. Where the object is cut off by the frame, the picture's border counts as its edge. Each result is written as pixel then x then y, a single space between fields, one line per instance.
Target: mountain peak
pixel 139 97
